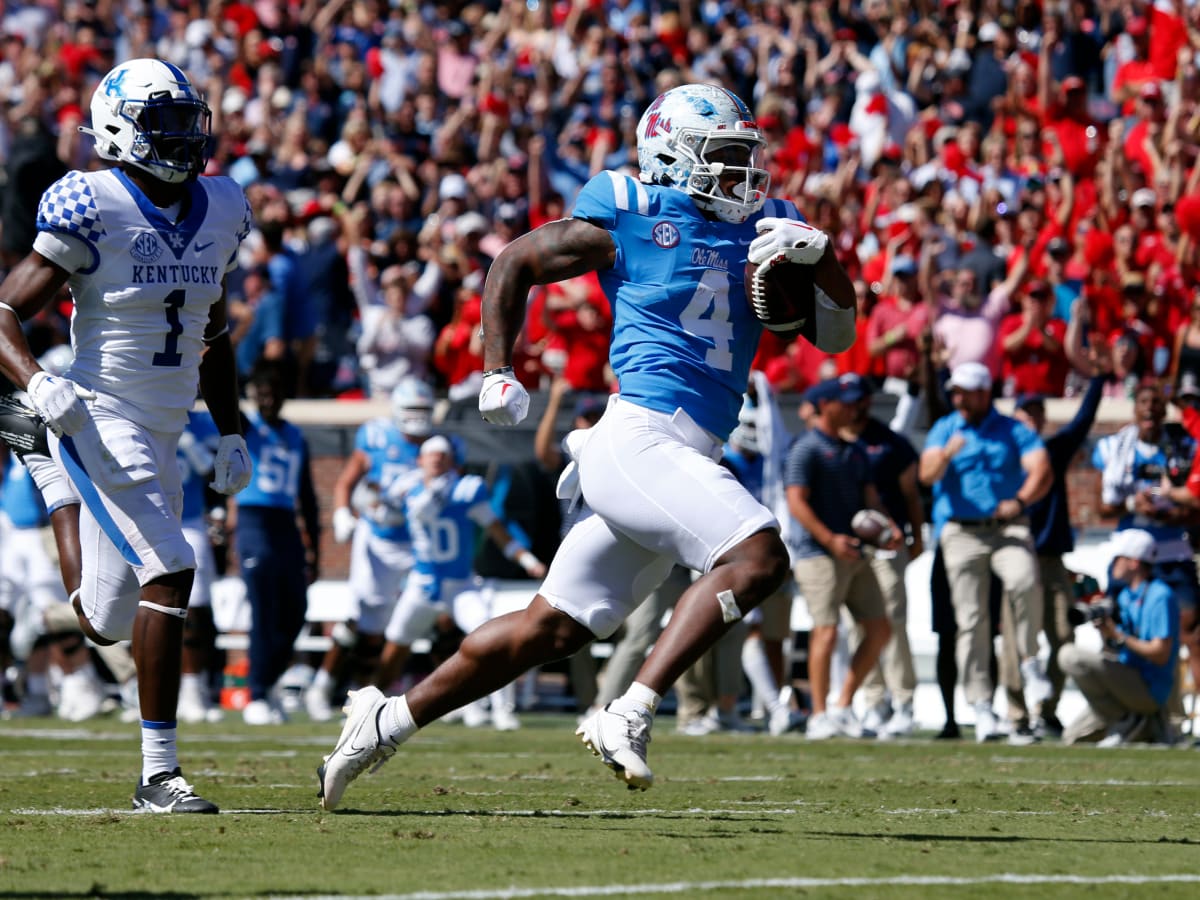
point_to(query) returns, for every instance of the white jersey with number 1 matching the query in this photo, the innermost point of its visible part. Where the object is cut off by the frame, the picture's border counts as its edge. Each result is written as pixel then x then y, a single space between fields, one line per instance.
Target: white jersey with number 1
pixel 142 284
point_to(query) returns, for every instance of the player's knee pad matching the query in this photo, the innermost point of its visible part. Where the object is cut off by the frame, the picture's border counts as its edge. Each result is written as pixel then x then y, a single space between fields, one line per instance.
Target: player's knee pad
pixel 178 612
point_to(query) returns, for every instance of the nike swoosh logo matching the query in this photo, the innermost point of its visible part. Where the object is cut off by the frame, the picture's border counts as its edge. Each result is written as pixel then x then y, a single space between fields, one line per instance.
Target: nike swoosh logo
pixel 504 390
pixel 200 248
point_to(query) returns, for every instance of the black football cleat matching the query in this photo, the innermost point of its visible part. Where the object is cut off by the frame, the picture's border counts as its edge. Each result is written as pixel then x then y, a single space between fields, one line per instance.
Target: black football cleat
pixel 167 792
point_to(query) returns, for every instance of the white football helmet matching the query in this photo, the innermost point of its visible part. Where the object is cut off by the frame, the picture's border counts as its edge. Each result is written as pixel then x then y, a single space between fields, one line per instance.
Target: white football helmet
pixel 412 407
pixel 696 136
pixel 146 113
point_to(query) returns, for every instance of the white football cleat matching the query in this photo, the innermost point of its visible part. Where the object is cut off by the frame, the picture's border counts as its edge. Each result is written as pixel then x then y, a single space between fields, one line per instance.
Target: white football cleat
pixel 620 740
pixel 359 745
pixel 193 705
pixel 986 728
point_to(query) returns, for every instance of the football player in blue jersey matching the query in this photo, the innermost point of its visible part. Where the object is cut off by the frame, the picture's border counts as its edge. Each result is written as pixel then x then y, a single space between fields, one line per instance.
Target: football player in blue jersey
pixel 270 542
pixel 381 555
pixel 670 248
pixel 144 247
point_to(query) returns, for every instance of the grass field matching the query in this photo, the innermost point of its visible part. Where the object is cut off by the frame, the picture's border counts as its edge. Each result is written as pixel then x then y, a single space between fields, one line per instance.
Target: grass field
pixel 476 814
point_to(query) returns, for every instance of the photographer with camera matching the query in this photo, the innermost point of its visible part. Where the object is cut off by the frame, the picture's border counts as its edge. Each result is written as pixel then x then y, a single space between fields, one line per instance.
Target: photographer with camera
pixel 1127 684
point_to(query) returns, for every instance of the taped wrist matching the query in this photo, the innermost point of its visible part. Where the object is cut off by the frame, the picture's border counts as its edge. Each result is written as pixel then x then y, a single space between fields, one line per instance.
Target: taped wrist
pixel 835 326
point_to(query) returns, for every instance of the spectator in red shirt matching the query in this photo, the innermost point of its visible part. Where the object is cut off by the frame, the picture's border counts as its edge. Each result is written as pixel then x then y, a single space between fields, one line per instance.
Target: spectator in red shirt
pixel 896 322
pixel 1032 342
pixel 1151 116
pixel 1131 75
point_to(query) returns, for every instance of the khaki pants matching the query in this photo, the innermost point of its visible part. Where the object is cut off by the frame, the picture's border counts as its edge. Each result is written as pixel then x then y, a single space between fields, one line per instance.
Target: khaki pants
pixel 716 674
pixel 970 553
pixel 1112 690
pixel 1057 597
pixel 895 670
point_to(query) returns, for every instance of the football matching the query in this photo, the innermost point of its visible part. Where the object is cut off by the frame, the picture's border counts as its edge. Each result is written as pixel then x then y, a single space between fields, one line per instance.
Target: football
pixel 782 297
pixel 871 527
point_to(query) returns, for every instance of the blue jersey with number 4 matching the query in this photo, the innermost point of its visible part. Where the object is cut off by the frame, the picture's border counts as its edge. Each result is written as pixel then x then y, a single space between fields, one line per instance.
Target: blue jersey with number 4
pixel 683 331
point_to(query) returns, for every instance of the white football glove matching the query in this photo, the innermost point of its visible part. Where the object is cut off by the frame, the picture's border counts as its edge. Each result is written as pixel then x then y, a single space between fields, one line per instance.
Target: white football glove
pixel 502 399
pixel 786 240
pixel 344 523
pixel 59 401
pixel 231 466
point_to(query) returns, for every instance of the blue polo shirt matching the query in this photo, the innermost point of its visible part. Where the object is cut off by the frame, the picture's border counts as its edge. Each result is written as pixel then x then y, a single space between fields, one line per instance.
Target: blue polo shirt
pixel 986 470
pixel 1149 613
pixel 835 473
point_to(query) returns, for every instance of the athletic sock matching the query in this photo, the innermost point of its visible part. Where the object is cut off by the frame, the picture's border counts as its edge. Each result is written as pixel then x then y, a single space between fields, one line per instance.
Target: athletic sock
pixel 158 749
pixel 638 698
pixel 396 724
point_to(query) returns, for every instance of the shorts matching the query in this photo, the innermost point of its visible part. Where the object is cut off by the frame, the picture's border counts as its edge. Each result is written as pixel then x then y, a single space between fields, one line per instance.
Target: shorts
pixel 828 584
pixel 129 528
pixel 655 496
pixel 378 568
pixel 425 598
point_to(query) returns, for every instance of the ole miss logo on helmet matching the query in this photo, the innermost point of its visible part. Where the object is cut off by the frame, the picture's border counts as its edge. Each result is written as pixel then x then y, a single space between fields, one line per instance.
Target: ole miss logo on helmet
pixel 655 122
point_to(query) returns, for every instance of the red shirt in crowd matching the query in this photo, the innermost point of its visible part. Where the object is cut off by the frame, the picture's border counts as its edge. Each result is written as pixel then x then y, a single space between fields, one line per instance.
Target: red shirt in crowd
pixel 1033 368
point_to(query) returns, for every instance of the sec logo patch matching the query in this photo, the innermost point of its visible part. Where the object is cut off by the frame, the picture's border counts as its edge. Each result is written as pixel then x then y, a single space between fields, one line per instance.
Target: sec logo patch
pixel 665 235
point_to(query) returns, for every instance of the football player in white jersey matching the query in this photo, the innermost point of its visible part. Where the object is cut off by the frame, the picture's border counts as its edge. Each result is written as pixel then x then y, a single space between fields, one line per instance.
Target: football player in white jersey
pixel 144 247
pixel 670 249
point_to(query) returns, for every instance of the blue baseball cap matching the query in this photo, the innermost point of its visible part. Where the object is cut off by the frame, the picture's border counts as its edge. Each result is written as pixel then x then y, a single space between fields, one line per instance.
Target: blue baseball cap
pixel 848 388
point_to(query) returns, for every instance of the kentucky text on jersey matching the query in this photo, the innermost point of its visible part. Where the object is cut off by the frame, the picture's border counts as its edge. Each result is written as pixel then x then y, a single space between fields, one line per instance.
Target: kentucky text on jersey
pixel 174 273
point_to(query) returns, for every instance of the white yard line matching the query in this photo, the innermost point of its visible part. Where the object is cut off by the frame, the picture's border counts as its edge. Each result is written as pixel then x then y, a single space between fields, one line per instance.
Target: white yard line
pixel 775 884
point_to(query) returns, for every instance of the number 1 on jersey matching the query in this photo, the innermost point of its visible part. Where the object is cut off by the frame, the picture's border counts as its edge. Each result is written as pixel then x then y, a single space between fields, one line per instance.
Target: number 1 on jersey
pixel 707 316
pixel 170 355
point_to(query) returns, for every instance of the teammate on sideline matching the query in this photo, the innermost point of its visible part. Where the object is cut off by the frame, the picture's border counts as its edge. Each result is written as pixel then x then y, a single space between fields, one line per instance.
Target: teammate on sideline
pixel 144 247
pixel 670 250
pixel 446 512
pixel 381 554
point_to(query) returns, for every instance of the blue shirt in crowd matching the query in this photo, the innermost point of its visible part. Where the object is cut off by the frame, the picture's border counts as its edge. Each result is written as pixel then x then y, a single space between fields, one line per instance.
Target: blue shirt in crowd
pixel 1150 613
pixel 985 471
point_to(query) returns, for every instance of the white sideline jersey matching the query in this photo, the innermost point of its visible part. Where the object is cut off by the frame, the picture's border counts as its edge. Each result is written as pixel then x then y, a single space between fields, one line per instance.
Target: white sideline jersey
pixel 144 287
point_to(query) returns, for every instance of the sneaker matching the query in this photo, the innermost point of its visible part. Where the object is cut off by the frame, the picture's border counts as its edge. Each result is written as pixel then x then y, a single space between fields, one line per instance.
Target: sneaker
pixel 620 740
pixel 847 723
pixel 359 745
pixel 901 724
pixel 877 717
pixel 950 732
pixel 1049 725
pixel 262 712
pixel 1038 688
pixel 1022 735
pixel 504 719
pixel 193 705
pixel 783 720
pixel 316 704
pixel 699 726
pixel 986 728
pixel 80 696
pixel 820 727
pixel 167 792
pixel 475 714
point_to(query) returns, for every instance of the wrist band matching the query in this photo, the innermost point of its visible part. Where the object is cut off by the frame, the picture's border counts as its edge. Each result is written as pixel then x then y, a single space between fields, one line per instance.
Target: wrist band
pixel 513 549
pixel 502 370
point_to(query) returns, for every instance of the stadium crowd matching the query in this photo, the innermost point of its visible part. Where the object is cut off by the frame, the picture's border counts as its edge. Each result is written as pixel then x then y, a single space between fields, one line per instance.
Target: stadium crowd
pixel 1013 185
pixel 389 151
